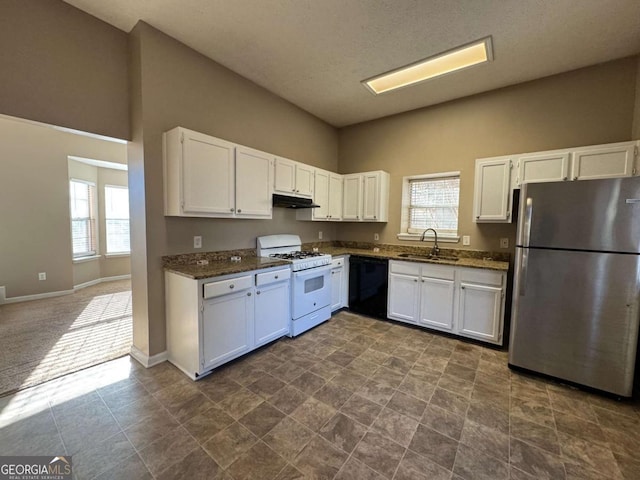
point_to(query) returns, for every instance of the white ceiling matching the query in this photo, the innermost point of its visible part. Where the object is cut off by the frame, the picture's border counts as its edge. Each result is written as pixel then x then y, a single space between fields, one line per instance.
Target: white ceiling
pixel 315 53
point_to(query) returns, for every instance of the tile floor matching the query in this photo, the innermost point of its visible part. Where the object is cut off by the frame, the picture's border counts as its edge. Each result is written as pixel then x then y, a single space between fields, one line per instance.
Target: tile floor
pixel 355 398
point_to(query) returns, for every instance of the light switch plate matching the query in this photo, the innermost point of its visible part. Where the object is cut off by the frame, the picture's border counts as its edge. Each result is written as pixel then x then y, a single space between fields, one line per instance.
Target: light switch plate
pixel 466 240
pixel 197 241
pixel 42 276
pixel 376 236
pixel 320 235
pixel 504 243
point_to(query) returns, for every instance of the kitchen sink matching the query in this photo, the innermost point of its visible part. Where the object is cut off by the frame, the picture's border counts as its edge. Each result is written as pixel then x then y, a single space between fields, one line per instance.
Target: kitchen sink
pixel 428 257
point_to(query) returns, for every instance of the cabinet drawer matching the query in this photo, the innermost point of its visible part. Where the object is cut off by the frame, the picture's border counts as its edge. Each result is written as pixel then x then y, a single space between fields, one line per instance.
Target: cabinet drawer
pixel 215 289
pixel 438 271
pixel 405 268
pixel 270 277
pixel 485 277
pixel 337 262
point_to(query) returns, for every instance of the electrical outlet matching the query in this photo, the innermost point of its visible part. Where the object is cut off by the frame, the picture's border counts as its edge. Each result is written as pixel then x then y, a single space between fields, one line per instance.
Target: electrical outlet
pixel 320 235
pixel 466 240
pixel 376 236
pixel 42 276
pixel 504 243
pixel 197 241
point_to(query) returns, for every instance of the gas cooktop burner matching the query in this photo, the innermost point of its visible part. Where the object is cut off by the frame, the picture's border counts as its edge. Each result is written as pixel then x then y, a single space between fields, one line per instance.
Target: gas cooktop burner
pixel 296 255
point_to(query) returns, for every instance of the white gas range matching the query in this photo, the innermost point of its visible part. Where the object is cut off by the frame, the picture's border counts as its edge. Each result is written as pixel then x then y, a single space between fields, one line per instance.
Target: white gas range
pixel 310 282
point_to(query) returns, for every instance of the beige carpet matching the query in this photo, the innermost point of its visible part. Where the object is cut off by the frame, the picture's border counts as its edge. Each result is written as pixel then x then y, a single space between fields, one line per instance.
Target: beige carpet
pixel 44 339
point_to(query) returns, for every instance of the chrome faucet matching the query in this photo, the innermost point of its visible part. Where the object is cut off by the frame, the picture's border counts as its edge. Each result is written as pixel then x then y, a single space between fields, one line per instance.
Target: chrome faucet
pixel 436 250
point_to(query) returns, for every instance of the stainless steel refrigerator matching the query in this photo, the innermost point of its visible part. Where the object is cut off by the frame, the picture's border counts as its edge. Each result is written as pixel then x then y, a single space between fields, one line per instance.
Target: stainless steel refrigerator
pixel 577 282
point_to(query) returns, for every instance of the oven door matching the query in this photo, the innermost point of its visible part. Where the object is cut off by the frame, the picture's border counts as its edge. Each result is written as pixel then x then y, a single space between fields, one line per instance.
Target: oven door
pixel 311 290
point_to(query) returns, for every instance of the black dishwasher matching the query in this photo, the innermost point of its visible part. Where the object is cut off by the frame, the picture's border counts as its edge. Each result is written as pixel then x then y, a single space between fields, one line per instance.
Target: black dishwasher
pixel 368 282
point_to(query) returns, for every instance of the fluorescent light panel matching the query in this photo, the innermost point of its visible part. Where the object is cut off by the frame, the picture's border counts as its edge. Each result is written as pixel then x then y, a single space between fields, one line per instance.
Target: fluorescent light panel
pixel 447 62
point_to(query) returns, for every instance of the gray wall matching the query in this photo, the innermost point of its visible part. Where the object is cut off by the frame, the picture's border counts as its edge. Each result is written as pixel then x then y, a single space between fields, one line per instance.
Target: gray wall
pixel 63 67
pixel 589 106
pixel 34 204
pixel 172 85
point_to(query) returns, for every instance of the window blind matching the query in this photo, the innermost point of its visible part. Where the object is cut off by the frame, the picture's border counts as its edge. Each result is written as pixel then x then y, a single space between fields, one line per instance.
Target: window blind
pixel 433 203
pixel 116 209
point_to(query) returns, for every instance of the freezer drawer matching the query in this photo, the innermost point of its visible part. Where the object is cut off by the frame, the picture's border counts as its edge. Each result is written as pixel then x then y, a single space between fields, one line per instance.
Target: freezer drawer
pixel 575 316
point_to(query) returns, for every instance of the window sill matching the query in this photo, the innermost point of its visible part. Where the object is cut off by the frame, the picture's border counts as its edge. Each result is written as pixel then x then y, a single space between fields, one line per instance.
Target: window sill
pixel 86 259
pixel 416 237
pixel 118 255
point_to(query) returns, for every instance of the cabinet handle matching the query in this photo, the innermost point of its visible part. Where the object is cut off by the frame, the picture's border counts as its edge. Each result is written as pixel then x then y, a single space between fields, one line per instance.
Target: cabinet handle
pixel 564 179
pixel 257 292
pixel 575 178
pixel 276 277
pixel 415 279
pixel 477 216
pixel 375 217
pixel 248 294
pixel 231 286
pixel 232 209
pixel 462 287
pixel 239 211
pixel 422 280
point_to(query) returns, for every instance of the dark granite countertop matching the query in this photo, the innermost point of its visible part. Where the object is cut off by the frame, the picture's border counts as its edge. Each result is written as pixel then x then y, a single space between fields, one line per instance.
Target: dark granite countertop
pixel 463 261
pixel 217 268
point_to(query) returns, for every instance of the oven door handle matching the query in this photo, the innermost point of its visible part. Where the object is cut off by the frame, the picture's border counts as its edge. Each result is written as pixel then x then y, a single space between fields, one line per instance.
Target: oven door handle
pixel 313 272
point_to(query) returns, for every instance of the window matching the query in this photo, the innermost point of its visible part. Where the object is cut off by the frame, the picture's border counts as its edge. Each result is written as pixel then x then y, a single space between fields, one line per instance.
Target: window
pixel 116 211
pixel 83 222
pixel 431 201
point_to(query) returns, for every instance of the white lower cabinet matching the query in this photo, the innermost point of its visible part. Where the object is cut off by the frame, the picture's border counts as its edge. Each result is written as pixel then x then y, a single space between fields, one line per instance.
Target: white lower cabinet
pixel 339 282
pixel 226 327
pixel 436 303
pixel 464 301
pixel 213 321
pixel 272 311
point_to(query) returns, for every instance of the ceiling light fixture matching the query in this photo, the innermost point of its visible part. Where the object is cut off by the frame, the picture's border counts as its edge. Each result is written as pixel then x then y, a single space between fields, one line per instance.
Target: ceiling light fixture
pixel 447 62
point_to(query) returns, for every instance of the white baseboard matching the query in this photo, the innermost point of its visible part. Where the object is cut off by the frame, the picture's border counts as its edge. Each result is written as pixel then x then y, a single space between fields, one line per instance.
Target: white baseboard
pixel 39 296
pixel 146 360
pixel 100 280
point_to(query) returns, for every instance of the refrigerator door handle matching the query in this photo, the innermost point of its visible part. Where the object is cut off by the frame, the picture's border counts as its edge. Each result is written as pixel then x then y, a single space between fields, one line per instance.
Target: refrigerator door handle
pixel 524 264
pixel 528 212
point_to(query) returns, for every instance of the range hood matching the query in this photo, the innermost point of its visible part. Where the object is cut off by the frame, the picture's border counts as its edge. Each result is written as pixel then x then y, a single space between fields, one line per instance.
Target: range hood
pixel 287 201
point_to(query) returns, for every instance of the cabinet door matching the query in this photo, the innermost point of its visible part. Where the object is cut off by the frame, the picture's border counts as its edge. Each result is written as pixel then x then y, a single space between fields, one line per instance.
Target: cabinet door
pixel 253 183
pixel 335 196
pixel 492 191
pixel 603 162
pixel 226 328
pixel 272 314
pixel 207 175
pixel 285 176
pixel 321 195
pixel 304 180
pixel 403 297
pixel 370 196
pixel 337 287
pixel 352 197
pixel 480 312
pixel 436 303
pixel 543 168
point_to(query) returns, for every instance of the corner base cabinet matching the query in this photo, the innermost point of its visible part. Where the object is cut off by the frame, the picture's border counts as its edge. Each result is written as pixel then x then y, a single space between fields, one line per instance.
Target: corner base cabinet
pixel 464 301
pixel 213 321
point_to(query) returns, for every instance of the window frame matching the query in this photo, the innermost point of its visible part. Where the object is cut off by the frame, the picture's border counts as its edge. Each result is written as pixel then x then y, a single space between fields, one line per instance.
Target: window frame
pixel 406 201
pixel 92 221
pixel 118 253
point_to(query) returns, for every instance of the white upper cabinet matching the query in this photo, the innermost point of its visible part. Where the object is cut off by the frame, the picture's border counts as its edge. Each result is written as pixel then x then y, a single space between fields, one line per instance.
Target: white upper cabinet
pixel 253 183
pixel 352 206
pixel 366 197
pixel 493 194
pixel 492 190
pixel 205 176
pixel 198 174
pixel 293 178
pixel 327 193
pixel 607 161
pixel 546 167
